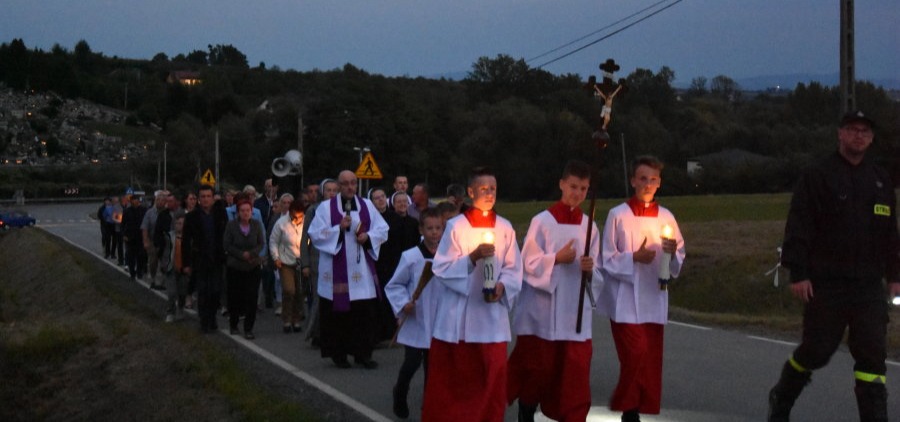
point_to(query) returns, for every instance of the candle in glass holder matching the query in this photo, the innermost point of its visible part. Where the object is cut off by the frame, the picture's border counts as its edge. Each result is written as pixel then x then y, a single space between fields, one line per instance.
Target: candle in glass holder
pixel 489 280
pixel 664 260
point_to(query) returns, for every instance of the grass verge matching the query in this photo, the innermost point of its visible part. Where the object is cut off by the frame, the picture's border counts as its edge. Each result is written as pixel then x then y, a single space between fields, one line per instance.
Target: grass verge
pixel 77 344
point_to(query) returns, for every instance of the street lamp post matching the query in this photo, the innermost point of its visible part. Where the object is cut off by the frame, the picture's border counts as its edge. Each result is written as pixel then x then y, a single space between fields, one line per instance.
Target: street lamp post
pixel 361 150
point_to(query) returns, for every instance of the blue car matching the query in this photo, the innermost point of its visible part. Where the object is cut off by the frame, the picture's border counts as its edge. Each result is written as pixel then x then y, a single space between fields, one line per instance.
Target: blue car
pixel 17 219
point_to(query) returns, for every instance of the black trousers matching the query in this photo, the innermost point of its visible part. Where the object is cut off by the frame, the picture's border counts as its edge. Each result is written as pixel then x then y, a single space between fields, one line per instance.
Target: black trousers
pixel 208 277
pixel 243 292
pixel 859 305
pixel 136 257
pixel 348 333
pixel 413 357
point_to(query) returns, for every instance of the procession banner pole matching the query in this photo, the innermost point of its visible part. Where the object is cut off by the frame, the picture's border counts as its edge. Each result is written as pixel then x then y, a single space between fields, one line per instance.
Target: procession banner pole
pixel 605 92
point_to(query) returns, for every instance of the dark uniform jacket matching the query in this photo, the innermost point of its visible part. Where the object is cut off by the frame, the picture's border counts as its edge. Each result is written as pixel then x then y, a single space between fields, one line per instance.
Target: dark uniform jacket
pixel 197 247
pixel 842 224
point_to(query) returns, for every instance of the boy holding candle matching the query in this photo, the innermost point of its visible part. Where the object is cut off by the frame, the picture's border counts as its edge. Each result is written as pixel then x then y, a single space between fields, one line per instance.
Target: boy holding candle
pixel 634 294
pixel 551 363
pixel 467 359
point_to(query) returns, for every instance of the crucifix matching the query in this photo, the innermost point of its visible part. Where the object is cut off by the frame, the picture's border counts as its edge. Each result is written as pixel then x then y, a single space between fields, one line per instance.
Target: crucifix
pixel 605 92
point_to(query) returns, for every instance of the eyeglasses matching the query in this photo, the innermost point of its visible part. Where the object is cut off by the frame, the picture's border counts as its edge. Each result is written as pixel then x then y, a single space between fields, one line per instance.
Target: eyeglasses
pixel 854 130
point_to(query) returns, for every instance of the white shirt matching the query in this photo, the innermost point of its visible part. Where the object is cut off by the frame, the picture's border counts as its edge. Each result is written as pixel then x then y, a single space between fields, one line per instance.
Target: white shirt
pixel 631 291
pixel 461 313
pixel 547 306
pixel 284 243
pixel 416 330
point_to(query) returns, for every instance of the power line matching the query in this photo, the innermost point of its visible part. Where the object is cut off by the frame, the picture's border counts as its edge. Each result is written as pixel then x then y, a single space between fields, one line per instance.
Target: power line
pixel 607 36
pixel 598 31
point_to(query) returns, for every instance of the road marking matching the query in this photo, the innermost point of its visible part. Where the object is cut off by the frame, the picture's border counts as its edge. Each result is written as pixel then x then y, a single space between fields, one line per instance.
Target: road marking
pixel 699 327
pixel 275 360
pixel 313 381
pixel 786 343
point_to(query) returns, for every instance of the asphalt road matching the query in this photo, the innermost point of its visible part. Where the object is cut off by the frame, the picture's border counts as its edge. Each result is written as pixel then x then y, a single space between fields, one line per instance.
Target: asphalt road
pixel 709 374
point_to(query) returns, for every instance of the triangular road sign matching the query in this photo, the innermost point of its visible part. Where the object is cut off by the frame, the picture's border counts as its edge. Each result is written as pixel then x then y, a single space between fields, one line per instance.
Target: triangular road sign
pixel 368 169
pixel 208 179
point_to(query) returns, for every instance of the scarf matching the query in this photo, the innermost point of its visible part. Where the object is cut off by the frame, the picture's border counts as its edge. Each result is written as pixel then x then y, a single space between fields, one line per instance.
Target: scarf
pixel 341 289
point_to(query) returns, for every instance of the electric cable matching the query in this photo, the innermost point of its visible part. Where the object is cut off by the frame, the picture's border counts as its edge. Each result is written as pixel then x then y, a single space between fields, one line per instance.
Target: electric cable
pixel 606 36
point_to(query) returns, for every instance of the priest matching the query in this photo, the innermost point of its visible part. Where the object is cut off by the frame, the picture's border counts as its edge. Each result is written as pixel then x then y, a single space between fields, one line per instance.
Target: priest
pixel 348 231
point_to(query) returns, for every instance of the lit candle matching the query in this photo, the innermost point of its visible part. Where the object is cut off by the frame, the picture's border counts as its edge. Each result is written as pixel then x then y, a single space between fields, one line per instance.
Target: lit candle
pixel 664 260
pixel 896 301
pixel 489 280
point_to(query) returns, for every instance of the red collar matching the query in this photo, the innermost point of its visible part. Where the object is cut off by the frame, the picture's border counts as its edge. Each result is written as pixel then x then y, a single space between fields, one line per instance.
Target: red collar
pixel 643 209
pixel 565 214
pixel 479 218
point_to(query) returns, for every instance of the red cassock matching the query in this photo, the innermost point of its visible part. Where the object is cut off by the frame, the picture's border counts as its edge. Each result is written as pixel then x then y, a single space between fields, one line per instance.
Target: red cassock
pixel 465 381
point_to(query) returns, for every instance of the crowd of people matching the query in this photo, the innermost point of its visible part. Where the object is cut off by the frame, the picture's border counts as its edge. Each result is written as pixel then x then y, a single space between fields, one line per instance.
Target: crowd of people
pixel 449 282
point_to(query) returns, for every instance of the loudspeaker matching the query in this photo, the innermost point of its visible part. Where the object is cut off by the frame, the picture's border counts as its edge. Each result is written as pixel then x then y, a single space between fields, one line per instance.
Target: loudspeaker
pixel 290 164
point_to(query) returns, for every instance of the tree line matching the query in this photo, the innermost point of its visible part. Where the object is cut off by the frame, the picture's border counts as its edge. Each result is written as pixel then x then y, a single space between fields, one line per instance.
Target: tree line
pixel 524 122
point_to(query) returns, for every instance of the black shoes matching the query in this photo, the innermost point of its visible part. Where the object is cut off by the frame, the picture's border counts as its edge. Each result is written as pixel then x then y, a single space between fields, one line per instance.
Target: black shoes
pixel 367 363
pixel 401 408
pixel 249 335
pixel 631 416
pixel 526 413
pixel 297 328
pixel 286 329
pixel 234 331
pixel 341 362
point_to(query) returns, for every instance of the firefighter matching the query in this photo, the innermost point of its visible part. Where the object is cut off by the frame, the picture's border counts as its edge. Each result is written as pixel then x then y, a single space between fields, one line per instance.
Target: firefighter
pixel 841 242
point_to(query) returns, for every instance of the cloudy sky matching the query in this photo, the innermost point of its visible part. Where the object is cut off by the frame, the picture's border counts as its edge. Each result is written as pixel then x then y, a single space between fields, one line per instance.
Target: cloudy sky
pixel 736 38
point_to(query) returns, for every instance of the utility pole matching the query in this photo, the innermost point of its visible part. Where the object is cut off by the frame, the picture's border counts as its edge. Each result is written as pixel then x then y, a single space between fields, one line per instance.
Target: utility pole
pixel 624 164
pixel 218 180
pixel 302 154
pixel 848 63
pixel 165 165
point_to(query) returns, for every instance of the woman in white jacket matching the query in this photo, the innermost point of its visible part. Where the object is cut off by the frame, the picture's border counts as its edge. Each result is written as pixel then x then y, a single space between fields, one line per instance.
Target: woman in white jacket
pixel 284 245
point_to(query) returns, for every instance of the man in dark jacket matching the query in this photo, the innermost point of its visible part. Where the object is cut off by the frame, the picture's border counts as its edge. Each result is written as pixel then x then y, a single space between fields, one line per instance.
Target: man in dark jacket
pixel 840 241
pixel 135 256
pixel 203 254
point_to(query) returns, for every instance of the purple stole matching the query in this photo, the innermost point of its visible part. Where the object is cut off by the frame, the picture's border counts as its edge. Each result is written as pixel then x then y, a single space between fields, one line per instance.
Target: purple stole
pixel 341 284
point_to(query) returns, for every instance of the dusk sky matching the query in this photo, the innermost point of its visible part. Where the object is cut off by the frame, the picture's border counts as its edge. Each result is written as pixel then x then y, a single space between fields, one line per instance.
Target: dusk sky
pixel 736 38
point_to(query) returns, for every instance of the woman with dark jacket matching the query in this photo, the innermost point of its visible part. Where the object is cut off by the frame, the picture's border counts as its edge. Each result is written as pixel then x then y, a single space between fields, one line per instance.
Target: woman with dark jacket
pixel 243 242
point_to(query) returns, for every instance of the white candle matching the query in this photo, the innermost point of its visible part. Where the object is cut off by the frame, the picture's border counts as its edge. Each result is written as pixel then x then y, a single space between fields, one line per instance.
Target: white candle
pixel 489 280
pixel 665 259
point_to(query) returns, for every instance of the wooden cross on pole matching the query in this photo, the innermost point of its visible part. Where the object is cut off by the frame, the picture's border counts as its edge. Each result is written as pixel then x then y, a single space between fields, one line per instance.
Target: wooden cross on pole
pixel 605 92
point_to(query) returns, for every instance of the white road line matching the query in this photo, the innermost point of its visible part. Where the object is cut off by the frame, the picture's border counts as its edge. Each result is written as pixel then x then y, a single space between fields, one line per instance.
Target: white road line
pixel 890 362
pixel 275 360
pixel 313 381
pixel 786 343
pixel 699 327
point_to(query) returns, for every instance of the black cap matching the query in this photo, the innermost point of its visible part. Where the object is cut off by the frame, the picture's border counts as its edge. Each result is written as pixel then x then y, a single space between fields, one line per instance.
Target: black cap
pixel 855 117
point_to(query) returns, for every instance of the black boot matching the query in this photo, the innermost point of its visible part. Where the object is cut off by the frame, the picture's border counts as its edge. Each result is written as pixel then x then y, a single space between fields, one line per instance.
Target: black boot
pixel 631 416
pixel 401 408
pixel 783 395
pixel 526 412
pixel 871 398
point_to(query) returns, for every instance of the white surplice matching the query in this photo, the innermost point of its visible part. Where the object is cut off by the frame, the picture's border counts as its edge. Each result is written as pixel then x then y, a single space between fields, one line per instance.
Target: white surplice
pixel 327 239
pixel 416 330
pixel 631 291
pixel 547 305
pixel 461 313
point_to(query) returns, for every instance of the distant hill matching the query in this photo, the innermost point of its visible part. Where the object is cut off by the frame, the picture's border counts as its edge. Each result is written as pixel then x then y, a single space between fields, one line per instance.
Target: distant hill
pixel 789 81
pixel 756 83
